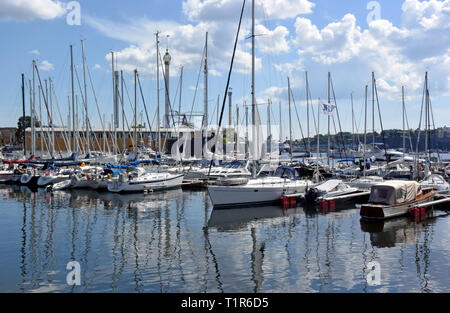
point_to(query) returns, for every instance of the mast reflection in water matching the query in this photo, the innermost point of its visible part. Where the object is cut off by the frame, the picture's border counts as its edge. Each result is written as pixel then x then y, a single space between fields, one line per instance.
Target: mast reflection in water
pixel 174 241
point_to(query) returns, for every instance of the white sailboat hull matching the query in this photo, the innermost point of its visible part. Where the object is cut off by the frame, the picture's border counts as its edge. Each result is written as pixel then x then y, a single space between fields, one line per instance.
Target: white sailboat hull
pixel 153 183
pixel 254 194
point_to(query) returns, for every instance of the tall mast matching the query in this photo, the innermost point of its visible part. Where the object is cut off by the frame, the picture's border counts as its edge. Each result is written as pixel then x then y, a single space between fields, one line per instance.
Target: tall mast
pixel 114 102
pixel 158 121
pixel 205 121
pixel 246 130
pixel 230 108
pixel 365 133
pixel 123 112
pixel 353 122
pixel 135 112
pixel 307 112
pixel 88 139
pixel 40 117
pixel 318 141
pixel 33 113
pixel 269 128
pixel 403 114
pixel 281 129
pixel 116 110
pixel 255 136
pixel 74 149
pixel 179 103
pixel 51 118
pixel 329 103
pixel 23 116
pixel 290 121
pixel 373 107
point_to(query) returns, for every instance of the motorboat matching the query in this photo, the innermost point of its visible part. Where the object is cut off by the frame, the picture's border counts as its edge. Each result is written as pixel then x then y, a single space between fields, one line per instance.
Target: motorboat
pixel 52 177
pixel 284 181
pixel 329 189
pixel 435 181
pixel 29 177
pixel 395 198
pixel 140 180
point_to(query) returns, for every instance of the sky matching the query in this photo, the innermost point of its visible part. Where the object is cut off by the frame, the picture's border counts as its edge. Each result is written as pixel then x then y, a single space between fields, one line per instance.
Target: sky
pixel 397 40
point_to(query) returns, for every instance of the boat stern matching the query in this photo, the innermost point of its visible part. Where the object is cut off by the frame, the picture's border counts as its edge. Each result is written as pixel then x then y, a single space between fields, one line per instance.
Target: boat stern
pixel 370 211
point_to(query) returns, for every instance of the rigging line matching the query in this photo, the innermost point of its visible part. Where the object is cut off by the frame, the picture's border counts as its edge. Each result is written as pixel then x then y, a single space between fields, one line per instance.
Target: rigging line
pixel 125 117
pixel 98 110
pixel 312 108
pixel 65 135
pixel 85 108
pixel 146 113
pixel 227 86
pixel 46 105
pixel 298 119
pixel 381 122
pixel 337 113
pixel 196 86
pixel 420 122
pixel 434 127
pixel 409 131
pixel 132 109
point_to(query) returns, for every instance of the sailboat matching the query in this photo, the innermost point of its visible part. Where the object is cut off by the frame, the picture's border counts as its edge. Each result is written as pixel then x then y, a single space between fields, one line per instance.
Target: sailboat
pixel 140 180
pixel 263 190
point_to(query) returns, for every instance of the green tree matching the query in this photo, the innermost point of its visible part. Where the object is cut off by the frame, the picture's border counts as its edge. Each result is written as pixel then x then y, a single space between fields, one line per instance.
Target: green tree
pixel 23 124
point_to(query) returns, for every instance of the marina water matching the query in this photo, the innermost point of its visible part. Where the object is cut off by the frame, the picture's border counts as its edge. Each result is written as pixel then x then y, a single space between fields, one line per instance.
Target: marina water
pixel 174 241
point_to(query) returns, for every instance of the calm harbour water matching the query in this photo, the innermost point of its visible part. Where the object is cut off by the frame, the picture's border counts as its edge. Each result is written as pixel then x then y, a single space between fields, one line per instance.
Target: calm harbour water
pixel 175 242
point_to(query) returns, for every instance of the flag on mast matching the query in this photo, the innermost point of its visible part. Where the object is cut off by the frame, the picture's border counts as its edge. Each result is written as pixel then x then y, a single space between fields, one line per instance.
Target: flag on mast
pixel 328 108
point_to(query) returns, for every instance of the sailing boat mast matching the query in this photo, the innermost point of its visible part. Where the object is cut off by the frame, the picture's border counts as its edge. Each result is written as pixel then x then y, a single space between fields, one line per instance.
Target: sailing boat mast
pixel 74 149
pixel 255 142
pixel 373 108
pixel 23 116
pixel 135 111
pixel 157 92
pixel 290 121
pixel 205 99
pixel 365 133
pixel 33 114
pixel 353 122
pixel 307 112
pixel 88 143
pixel 329 104
pixel 403 114
pixel 51 119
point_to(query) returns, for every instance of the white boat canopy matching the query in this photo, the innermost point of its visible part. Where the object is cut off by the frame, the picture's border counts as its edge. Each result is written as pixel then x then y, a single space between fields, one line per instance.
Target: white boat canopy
pixel 394 192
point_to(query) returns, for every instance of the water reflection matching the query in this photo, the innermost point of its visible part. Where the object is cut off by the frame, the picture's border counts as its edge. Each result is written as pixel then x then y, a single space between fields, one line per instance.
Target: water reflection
pixel 174 241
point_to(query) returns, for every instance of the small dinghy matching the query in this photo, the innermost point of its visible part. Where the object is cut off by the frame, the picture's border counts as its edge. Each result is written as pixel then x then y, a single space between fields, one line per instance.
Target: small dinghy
pixel 65 184
pixel 330 188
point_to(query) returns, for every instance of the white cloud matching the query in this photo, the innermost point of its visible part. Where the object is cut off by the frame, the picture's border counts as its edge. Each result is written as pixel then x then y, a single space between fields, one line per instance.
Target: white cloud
pixel 274 41
pixel 46 66
pixel 35 52
pixel 24 10
pixel 97 67
pixel 228 10
pixel 398 55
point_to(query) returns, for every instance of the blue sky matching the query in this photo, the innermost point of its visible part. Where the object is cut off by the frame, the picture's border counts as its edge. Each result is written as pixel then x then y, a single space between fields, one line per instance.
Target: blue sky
pixel 409 38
